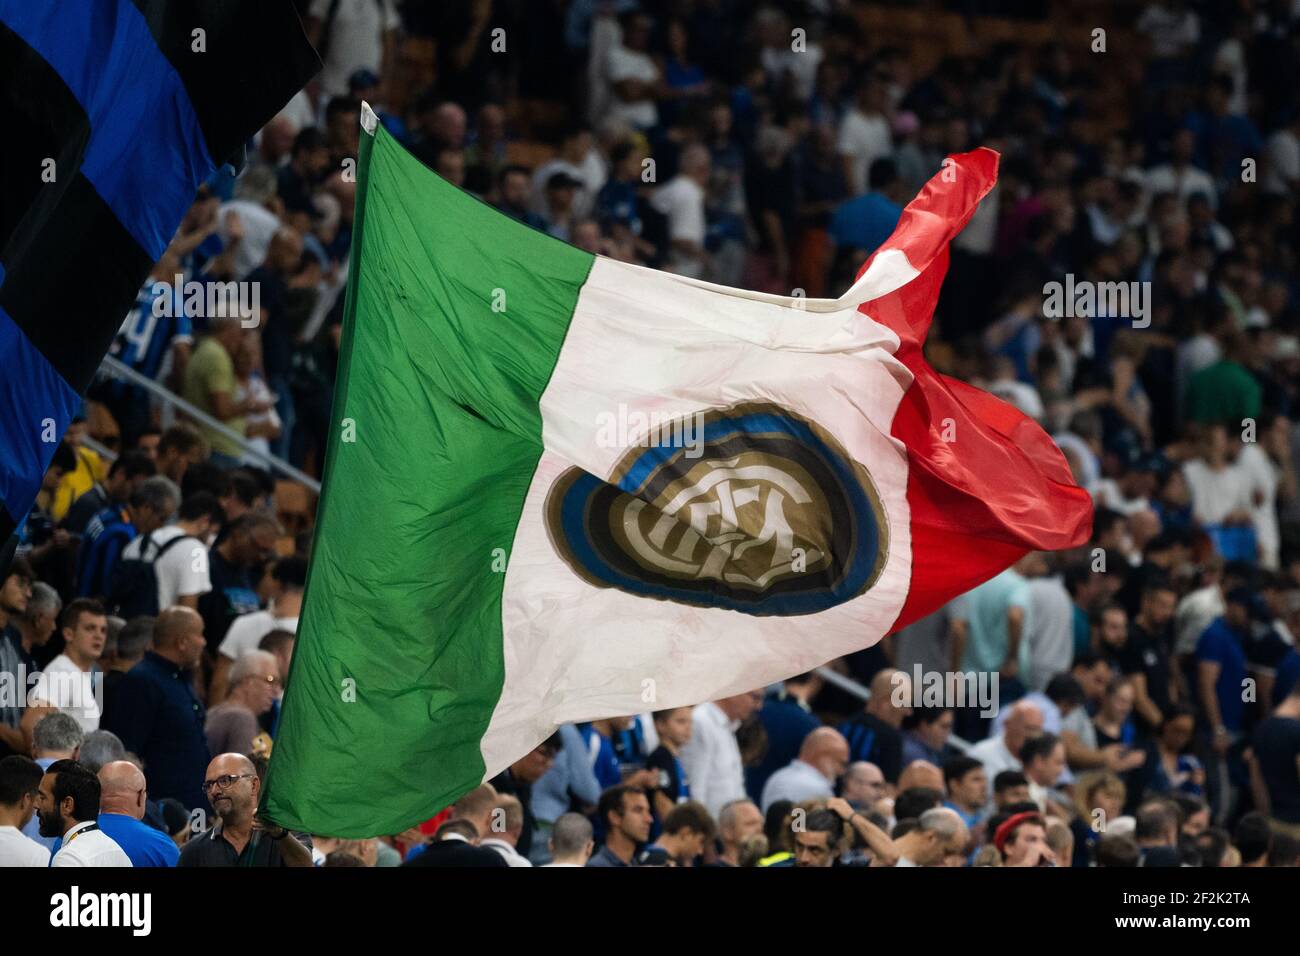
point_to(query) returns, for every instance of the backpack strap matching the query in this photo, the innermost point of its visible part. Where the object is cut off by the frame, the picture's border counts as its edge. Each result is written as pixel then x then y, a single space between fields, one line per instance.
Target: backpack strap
pixel 163 549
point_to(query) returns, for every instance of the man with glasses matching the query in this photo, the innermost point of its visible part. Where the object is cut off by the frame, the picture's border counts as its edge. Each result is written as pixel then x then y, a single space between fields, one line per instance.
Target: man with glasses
pixel 239 837
pixel 254 682
pixel 122 798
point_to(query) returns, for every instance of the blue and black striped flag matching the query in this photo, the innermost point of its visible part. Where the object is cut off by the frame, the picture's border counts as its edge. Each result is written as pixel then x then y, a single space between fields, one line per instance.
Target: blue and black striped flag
pixel 113 113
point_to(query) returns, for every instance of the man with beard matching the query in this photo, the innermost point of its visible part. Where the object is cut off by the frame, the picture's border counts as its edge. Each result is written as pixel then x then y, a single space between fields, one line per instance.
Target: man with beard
pixel 239 837
pixel 68 806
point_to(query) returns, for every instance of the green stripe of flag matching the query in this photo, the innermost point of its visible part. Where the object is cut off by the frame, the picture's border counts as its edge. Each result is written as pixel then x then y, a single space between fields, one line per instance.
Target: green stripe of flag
pixel 454 318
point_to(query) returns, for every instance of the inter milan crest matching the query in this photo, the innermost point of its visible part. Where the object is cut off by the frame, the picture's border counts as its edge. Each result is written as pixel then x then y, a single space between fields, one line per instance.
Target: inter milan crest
pixel 764 513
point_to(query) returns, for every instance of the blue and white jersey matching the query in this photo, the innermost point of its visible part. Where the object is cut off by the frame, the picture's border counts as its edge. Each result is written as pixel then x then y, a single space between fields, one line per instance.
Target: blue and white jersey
pixel 145 338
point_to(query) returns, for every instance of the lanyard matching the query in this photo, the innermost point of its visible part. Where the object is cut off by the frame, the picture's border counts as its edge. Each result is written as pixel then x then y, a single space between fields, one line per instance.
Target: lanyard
pixel 68 841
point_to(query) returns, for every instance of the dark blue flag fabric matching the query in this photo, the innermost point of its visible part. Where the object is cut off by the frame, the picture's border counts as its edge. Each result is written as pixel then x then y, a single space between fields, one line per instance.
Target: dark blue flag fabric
pixel 112 113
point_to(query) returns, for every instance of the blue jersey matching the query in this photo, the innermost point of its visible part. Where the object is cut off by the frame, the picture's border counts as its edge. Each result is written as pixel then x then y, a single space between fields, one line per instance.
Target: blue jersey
pixel 145 338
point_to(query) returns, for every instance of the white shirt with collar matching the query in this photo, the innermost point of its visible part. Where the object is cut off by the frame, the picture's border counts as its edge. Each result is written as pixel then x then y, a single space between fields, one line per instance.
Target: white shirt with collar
pixel 796 781
pixel 19 850
pixel 86 847
pixel 995 756
pixel 712 759
pixel 512 856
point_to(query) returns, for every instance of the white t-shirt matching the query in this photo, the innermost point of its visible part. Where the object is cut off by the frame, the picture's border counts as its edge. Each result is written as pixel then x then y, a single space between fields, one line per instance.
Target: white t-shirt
pixel 181 572
pixel 247 631
pixel 1216 494
pixel 356 39
pixel 18 850
pixel 259 226
pixel 82 847
pixel 1182 183
pixel 1282 167
pixel 865 139
pixel 66 686
pixel 682 201
pixel 1263 477
pixel 624 64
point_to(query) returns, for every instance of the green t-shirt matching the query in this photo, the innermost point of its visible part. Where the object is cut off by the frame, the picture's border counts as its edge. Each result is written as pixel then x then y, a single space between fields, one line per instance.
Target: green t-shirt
pixel 211 370
pixel 1223 393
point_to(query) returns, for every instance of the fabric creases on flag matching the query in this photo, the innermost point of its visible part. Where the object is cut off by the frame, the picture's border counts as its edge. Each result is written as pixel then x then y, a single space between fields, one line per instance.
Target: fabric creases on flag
pixel 986 484
pixel 577 488
pixel 115 112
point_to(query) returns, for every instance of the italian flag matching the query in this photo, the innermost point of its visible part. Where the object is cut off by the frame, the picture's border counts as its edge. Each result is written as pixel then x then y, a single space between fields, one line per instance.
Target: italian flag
pixel 561 487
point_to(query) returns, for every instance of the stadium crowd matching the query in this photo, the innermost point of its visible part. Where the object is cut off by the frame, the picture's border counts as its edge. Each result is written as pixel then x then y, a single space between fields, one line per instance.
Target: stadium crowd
pixel 1144 690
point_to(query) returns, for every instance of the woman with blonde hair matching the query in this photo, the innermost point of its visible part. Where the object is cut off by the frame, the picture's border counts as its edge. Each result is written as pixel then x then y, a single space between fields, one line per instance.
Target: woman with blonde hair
pixel 1099 799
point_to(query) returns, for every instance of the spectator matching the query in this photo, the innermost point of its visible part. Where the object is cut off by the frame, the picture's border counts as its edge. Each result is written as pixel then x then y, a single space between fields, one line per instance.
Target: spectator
pixel 178 556
pixel 239 837
pixel 625 811
pixel 232 567
pixel 1022 841
pixel 786 716
pixel 150 507
pixel 939 832
pixel 36 625
pixel 863 785
pixel 712 755
pixel 1252 838
pixel 352 35
pixel 210 386
pixel 232 725
pixel 247 630
pixel 520 778
pixel 874 735
pixel 122 801
pixel 927 739
pixel 1276 745
pixel 100 747
pixel 819 841
pixel 15 651
pixel 178 448
pixel 570 780
pixel 69 682
pixel 681 202
pixel 20 780
pixel 453 846
pixel 688 828
pixel 1025 722
pixel 822 759
pixel 68 807
pixel 505 829
pixel 132 641
pixel 967 786
pixel 738 823
pixel 571 843
pixel 157 713
pixel 859 226
pixel 124 476
pixel 671 785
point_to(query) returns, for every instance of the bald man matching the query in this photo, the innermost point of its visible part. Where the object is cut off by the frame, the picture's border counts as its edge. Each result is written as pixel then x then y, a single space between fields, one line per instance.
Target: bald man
pixel 239 837
pixel 1002 751
pixel 921 773
pixel 122 797
pixel 874 734
pixel 156 713
pixel 822 760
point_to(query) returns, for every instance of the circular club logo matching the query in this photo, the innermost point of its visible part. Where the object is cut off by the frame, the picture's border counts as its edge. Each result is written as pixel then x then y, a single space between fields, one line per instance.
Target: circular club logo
pixel 763 512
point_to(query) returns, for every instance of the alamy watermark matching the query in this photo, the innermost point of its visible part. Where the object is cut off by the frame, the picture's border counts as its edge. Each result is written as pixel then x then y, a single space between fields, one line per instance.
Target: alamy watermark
pixel 628 428
pixel 212 300
pixel 1088 300
pixel 924 688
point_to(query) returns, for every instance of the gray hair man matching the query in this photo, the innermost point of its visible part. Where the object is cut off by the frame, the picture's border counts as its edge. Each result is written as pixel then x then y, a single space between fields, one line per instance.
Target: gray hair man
pixel 939 832
pixel 571 840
